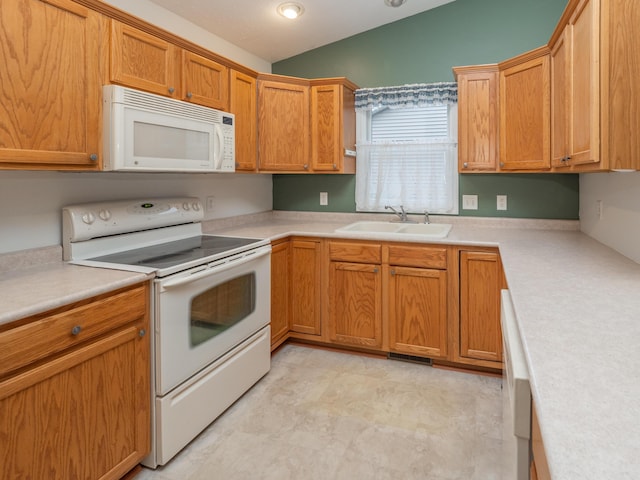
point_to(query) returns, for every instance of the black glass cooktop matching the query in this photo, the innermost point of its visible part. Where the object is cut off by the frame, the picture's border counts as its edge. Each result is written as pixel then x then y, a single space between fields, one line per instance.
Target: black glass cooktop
pixel 170 254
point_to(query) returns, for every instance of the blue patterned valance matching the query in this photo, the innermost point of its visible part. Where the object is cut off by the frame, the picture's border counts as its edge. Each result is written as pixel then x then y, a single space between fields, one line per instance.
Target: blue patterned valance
pixel 403 96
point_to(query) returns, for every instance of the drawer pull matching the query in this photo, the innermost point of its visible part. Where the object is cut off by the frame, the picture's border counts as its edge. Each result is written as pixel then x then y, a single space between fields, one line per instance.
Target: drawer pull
pixel 142 332
pixel 76 330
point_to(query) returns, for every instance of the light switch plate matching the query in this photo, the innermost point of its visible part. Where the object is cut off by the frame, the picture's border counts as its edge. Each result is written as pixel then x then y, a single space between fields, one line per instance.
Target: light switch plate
pixel 470 202
pixel 324 198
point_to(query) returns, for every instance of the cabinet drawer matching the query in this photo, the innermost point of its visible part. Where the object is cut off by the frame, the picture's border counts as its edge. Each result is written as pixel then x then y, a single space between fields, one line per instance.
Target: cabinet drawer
pixel 36 340
pixel 425 257
pixel 355 252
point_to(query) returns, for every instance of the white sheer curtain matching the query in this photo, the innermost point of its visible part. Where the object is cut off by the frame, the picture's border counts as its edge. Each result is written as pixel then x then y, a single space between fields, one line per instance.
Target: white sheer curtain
pixel 405 163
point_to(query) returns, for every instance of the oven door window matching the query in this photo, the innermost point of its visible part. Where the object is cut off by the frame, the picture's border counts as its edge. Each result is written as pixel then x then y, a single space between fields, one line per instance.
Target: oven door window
pixel 221 307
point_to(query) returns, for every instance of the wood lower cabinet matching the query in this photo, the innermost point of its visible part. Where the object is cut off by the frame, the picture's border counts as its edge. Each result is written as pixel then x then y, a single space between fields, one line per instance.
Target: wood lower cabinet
pixel 50 85
pixel 525 112
pixel 417 300
pixel 75 390
pixel 280 297
pixel 355 294
pixel 243 103
pixel 306 257
pixel 480 335
pixel 355 311
pixel 418 311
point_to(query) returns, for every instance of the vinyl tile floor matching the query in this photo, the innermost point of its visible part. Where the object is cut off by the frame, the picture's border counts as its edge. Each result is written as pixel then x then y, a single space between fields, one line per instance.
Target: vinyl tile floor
pixel 320 415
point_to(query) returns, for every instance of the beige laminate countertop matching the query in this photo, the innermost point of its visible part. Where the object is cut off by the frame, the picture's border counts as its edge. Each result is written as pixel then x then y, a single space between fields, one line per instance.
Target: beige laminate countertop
pixel 28 288
pixel 577 304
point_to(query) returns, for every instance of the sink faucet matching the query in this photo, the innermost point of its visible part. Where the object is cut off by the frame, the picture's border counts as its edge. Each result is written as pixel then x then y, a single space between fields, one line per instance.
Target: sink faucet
pixel 402 214
pixel 426 217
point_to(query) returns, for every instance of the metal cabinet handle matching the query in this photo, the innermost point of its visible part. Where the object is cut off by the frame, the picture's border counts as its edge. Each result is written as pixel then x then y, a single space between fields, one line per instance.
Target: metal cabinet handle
pixel 502 164
pixel 93 157
pixel 465 165
pixel 142 332
pixel 171 89
pixel 393 271
pixel 76 330
pixel 189 94
pixel 305 166
pixel 375 270
pixel 335 167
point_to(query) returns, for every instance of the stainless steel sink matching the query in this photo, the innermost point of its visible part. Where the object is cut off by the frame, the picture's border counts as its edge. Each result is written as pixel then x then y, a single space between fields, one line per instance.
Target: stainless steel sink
pixel 431 230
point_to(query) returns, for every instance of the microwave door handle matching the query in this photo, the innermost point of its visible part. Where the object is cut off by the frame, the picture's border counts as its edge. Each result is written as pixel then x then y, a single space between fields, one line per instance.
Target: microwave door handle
pixel 218 147
pixel 218 269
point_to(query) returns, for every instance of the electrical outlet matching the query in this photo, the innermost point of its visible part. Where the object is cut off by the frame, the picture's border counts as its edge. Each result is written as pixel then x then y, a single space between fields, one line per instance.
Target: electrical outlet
pixel 501 202
pixel 599 209
pixel 470 202
pixel 211 203
pixel 324 198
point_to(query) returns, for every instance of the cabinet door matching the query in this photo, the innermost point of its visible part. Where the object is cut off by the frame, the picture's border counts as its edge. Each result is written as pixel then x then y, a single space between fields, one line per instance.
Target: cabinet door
pixel 81 415
pixel 204 81
pixel 480 282
pixel 525 116
pixel 50 84
pixel 560 70
pixel 478 120
pixel 355 312
pixel 280 300
pixel 283 120
pixel 305 286
pixel 418 311
pixel 243 103
pixel 326 127
pixel 584 87
pixel 140 60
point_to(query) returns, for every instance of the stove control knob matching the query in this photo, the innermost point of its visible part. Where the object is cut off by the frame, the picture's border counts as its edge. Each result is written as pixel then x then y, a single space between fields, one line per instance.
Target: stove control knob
pixel 195 206
pixel 104 214
pixel 185 206
pixel 88 218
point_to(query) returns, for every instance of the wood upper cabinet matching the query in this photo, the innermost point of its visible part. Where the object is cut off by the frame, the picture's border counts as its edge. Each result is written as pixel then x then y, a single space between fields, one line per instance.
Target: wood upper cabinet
pixel 525 112
pixel 50 84
pixel 204 81
pixel 355 294
pixel 575 81
pixel 481 280
pixel 147 62
pixel 144 61
pixel 77 405
pixel 477 117
pixel 243 103
pixel 283 124
pixel 280 298
pixel 417 319
pixel 306 258
pixel 333 125
pixel 595 51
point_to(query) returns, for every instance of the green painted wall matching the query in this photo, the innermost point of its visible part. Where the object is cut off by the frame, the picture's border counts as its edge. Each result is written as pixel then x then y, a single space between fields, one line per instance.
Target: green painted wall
pixel 528 196
pixel 422 49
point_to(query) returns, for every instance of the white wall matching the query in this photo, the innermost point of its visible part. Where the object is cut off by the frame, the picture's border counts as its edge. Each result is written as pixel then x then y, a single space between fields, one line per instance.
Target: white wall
pixel 31 202
pixel 619 226
pixel 177 25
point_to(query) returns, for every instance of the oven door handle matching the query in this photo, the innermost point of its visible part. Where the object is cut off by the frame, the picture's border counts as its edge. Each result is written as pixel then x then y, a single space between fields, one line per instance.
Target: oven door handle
pixel 248 257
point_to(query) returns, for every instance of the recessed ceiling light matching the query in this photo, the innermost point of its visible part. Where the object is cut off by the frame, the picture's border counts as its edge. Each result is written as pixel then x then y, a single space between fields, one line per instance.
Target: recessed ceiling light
pixel 394 3
pixel 290 10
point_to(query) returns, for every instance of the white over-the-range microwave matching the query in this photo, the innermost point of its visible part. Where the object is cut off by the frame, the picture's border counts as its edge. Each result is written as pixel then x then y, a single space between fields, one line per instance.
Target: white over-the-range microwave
pixel 144 132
